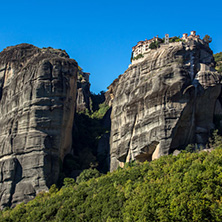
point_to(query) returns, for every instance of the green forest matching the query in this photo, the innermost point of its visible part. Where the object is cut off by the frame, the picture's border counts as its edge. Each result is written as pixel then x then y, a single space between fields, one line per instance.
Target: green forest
pixel 186 187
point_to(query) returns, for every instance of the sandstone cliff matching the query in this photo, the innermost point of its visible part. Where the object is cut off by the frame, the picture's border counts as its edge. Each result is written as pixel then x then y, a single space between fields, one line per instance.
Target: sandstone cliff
pixel 83 92
pixel 37 102
pixel 163 102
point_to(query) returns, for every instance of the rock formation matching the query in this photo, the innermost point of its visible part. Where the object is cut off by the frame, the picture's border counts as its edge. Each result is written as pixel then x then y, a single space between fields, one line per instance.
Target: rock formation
pixel 37 102
pixel 163 102
pixel 83 92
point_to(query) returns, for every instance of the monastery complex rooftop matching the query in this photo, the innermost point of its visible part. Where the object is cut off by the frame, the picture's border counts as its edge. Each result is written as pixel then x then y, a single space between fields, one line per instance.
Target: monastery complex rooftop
pixel 144 46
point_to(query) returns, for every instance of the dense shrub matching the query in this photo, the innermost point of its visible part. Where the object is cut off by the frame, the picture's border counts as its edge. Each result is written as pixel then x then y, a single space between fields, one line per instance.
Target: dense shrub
pixel 154 45
pixel 89 129
pixel 175 39
pixel 218 57
pixel 138 57
pixel 96 100
pixel 87 174
pixel 99 114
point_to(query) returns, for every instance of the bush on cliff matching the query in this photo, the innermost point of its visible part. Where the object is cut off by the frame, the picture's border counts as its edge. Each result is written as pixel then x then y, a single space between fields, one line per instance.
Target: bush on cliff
pixel 97 99
pixel 186 187
pixel 218 60
pixel 175 39
pixel 99 114
pixel 154 45
pixel 138 57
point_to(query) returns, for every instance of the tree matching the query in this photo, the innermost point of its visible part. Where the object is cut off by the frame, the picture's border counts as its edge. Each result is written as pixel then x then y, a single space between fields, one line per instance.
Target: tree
pixel 154 45
pixel 207 39
pixel 87 175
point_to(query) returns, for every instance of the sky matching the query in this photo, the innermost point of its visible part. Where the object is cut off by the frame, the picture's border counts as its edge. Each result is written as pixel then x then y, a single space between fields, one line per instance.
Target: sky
pixel 100 35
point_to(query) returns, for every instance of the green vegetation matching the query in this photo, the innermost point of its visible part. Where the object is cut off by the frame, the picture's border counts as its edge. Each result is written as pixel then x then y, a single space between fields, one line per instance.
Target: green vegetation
pixel 154 45
pixel 186 187
pixel 88 130
pixel 89 127
pixel 86 137
pixel 138 57
pixel 80 77
pixel 79 74
pixel 96 100
pixel 99 114
pixel 207 39
pixel 87 175
pixel 218 60
pixel 175 39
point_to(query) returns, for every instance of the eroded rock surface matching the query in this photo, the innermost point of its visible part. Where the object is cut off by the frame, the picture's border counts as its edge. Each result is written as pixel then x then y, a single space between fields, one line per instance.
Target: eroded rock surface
pixel 163 102
pixel 83 92
pixel 37 102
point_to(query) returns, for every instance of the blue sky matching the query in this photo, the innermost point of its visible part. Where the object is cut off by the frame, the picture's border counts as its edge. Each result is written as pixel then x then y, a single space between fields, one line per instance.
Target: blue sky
pixel 99 35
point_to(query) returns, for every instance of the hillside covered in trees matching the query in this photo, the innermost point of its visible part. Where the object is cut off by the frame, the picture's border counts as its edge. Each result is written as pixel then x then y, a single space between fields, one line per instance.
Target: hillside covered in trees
pixel 186 187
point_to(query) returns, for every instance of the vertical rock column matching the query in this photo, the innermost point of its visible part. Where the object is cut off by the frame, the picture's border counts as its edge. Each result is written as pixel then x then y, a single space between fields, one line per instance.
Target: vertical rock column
pixel 163 102
pixel 38 93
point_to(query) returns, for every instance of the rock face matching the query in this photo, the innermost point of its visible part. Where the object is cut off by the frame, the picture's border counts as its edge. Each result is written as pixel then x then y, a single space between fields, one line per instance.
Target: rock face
pixel 163 102
pixel 83 92
pixel 37 102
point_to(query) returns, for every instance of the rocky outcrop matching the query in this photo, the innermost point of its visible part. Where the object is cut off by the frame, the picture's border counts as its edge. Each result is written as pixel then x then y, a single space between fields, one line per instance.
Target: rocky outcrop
pixel 37 102
pixel 83 92
pixel 163 102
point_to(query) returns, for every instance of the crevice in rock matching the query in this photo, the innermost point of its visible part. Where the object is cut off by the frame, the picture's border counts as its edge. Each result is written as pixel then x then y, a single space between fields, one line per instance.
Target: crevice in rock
pixel 129 156
pixel 17 177
pixel 3 81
